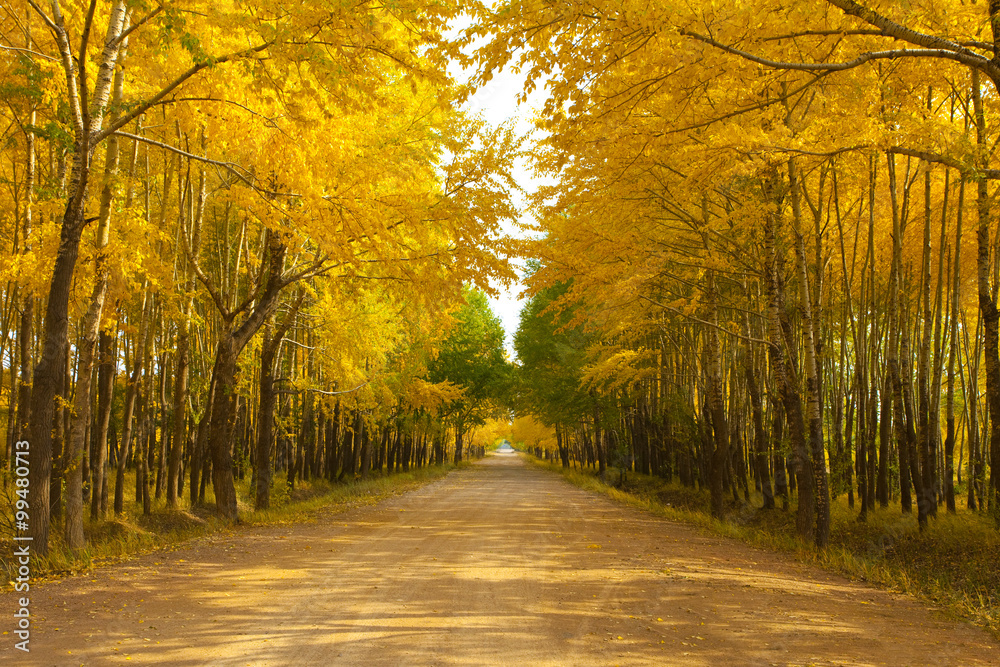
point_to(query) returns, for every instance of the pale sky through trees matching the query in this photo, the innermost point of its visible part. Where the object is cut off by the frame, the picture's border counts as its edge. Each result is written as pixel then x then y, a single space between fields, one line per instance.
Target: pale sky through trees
pixel 497 103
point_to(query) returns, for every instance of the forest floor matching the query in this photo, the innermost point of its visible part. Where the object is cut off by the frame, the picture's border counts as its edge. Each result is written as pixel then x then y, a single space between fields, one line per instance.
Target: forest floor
pixel 498 563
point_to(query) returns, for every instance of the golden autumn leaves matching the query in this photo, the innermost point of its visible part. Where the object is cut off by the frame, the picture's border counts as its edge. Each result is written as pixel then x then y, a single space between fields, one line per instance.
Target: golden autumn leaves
pixel 258 147
pixel 741 193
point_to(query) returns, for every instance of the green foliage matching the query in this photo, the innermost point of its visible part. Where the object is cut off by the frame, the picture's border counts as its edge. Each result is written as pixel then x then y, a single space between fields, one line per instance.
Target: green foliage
pixel 472 357
pixel 26 84
pixel 552 353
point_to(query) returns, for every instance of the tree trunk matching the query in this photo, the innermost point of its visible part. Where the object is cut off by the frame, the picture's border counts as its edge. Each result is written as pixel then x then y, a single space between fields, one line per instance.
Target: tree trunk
pixel 926 438
pixel 347 451
pixel 131 392
pixel 359 441
pixel 265 422
pixel 897 362
pixel 49 373
pixel 884 435
pixel 759 435
pixel 333 443
pixel 231 343
pixel 720 428
pixel 949 443
pixel 563 449
pixel 820 482
pixel 54 340
pixel 988 307
pixel 105 388
pixel 224 379
pixel 84 371
pixel 26 326
pixel 199 452
pixel 366 454
pixel 786 378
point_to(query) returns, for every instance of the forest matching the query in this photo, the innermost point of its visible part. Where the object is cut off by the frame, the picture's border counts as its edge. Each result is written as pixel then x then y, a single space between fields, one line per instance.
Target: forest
pixel 236 239
pixel 247 245
pixel 768 262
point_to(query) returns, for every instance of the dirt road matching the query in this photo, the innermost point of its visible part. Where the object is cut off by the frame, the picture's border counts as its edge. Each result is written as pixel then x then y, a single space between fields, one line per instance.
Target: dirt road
pixel 497 564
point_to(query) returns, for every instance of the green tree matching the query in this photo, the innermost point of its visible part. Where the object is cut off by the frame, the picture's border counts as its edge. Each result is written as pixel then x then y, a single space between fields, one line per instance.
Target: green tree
pixel 472 358
pixel 552 353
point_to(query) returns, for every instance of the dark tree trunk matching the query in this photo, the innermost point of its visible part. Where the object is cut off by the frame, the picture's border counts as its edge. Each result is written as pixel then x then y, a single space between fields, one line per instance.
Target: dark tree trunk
pixel 199 453
pixel 719 452
pixel 459 445
pixel 131 393
pixel 781 351
pixel 759 436
pixel 224 379
pixel 333 443
pixel 347 450
pixel 563 449
pixel 105 386
pixel 778 459
pixel 366 454
pixel 407 451
pixel 599 448
pixel 885 434
pixel 265 424
pixel 231 343
pixel 183 359
pixel 988 308
pixel 59 428
pixel 51 368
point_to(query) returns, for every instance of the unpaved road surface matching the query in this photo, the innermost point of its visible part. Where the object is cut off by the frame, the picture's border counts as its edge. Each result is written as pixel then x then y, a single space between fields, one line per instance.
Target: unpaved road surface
pixel 497 564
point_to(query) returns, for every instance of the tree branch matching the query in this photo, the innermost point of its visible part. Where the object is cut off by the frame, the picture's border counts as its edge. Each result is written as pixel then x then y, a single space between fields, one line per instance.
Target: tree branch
pixel 706 323
pixel 233 168
pixel 963 56
pixel 29 52
pixel 892 29
pixel 204 279
pixel 966 170
pixel 902 33
pixel 138 24
pixel 317 268
pixel 45 17
pixel 339 393
pixel 82 69
pixel 141 108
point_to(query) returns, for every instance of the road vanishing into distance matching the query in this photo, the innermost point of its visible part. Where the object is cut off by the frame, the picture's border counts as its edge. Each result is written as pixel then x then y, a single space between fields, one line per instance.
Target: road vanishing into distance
pixel 499 563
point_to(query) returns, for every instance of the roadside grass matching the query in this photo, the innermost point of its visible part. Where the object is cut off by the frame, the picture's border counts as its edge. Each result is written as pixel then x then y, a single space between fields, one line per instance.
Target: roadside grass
pixel 954 563
pixel 114 539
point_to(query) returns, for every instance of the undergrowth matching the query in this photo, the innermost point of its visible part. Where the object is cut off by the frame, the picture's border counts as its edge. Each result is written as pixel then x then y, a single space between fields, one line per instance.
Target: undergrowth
pixel 954 562
pixel 118 537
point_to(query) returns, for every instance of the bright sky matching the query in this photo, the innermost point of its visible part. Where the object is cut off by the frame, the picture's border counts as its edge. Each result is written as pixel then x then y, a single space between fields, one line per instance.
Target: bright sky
pixel 497 103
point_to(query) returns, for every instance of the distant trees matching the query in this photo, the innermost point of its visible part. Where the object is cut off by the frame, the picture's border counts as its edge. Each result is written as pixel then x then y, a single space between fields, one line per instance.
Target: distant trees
pixel 551 353
pixel 472 359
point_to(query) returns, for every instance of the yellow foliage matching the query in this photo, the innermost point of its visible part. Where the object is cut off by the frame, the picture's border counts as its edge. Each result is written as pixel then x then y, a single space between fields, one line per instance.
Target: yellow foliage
pixel 530 432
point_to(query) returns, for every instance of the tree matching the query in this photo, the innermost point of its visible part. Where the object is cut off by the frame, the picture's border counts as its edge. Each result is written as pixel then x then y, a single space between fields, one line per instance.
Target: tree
pixel 551 354
pixel 472 358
